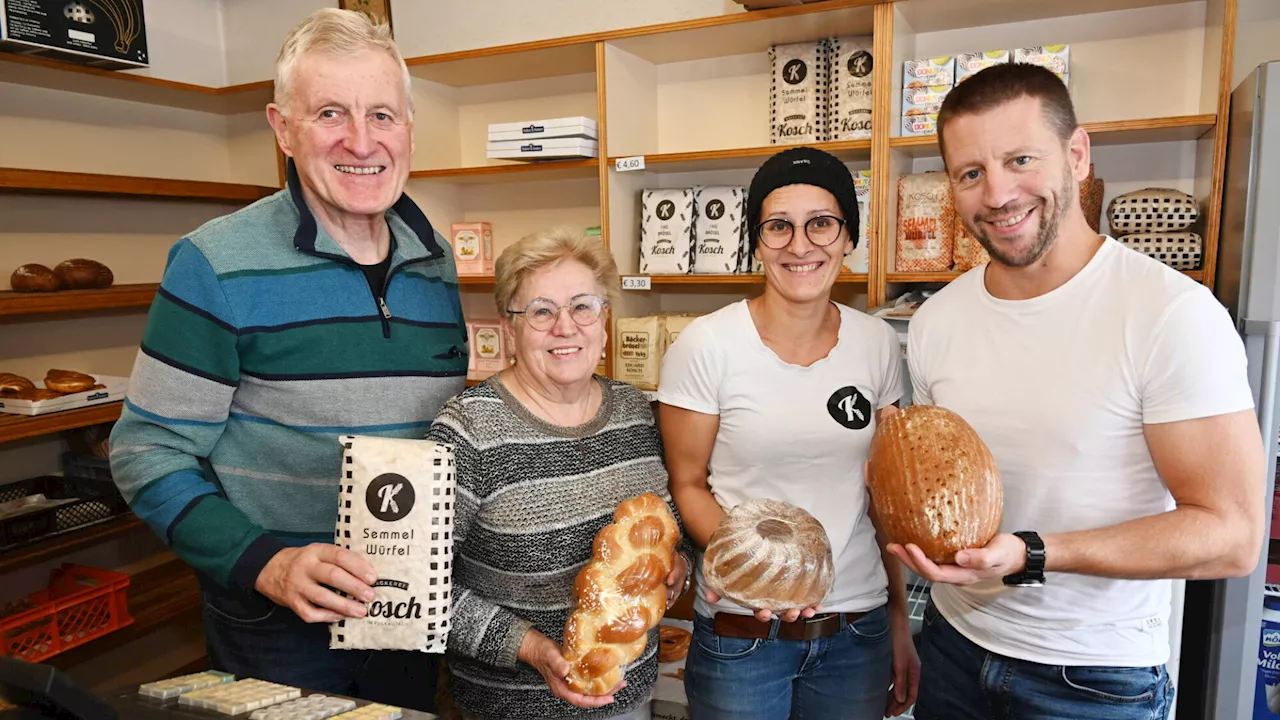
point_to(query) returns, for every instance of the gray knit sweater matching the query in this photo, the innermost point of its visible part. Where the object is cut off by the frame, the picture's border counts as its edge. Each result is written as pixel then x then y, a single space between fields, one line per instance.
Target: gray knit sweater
pixel 531 498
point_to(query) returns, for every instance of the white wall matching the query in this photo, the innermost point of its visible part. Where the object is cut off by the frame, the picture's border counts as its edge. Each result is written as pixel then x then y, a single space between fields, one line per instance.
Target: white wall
pixel 1255 36
pixel 429 27
pixel 185 41
pixel 255 30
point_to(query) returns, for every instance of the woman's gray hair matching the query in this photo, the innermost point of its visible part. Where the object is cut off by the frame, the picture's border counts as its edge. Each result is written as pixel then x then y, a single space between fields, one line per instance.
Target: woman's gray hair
pixel 337 32
pixel 546 248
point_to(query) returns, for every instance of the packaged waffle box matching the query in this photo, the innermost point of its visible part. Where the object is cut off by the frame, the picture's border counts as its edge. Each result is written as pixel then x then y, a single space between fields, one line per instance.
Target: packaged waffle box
pixel 472 247
pixel 970 64
pixel 798 95
pixel 487 344
pixel 926 224
pixel 1054 57
pixel 850 97
pixel 920 124
pixel 856 261
pixel 929 72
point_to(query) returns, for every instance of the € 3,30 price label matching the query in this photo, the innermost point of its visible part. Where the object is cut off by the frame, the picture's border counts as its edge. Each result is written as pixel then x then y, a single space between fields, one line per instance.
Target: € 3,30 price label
pixel 629 163
pixel 635 282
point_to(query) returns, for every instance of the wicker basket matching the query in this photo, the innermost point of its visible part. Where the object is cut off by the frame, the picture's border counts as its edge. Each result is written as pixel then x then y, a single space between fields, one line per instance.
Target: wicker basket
pixel 1179 250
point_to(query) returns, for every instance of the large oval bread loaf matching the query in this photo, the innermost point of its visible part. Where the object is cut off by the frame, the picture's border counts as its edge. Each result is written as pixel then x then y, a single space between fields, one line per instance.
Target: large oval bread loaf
pixel 621 593
pixel 769 555
pixel 934 483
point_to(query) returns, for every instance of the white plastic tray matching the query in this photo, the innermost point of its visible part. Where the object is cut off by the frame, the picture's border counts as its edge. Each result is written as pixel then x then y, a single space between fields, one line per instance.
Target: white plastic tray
pixel 115 390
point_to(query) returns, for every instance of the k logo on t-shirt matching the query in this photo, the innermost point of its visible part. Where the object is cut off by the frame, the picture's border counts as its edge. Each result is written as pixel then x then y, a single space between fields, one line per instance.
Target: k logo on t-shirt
pixel 850 407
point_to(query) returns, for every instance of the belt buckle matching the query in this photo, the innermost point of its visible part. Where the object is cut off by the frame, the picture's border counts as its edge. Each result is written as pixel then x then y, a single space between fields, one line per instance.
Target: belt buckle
pixel 814 627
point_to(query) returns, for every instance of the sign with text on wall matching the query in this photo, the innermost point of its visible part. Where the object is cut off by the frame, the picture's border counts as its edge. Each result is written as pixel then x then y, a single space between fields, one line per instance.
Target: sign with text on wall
pixel 636 282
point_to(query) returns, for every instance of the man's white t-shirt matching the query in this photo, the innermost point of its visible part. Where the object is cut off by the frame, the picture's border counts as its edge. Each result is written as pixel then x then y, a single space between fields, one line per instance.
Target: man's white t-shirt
pixel 796 434
pixel 1059 387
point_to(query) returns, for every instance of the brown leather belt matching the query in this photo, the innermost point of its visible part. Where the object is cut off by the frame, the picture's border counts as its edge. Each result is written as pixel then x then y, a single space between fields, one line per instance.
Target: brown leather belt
pixel 748 627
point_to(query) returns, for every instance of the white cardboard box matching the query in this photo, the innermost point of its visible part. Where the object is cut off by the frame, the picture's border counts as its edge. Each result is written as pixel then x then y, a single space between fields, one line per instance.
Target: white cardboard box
pixel 543 149
pixel 580 126
pixel 115 390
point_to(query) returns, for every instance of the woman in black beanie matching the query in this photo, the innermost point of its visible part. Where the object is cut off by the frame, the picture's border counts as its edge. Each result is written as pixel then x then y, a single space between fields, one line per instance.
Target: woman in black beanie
pixel 778 397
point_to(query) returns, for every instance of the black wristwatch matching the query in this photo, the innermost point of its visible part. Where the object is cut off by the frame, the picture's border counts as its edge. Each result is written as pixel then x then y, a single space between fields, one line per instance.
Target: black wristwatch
pixel 1033 574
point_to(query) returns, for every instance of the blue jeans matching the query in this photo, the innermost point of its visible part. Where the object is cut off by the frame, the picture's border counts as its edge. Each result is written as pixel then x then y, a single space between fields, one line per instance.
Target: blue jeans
pixel 842 676
pixel 962 681
pixel 250 636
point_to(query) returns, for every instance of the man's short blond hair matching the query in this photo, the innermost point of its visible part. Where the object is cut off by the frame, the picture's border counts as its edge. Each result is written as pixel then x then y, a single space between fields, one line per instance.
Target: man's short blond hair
pixel 545 248
pixel 337 32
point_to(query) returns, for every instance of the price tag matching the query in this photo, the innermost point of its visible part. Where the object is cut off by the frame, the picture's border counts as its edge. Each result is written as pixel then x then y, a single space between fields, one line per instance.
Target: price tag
pixel 635 282
pixel 629 163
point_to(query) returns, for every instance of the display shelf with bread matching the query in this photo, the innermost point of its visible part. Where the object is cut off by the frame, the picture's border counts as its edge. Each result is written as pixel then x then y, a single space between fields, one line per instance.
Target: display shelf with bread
pixel 116 297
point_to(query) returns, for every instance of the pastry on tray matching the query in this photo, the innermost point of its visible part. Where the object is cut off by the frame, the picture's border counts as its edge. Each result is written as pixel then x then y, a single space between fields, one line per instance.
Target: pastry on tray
pixel 68 381
pixel 10 384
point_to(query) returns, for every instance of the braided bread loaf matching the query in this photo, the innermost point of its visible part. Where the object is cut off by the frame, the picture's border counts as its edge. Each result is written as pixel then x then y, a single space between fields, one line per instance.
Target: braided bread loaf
pixel 621 594
pixel 769 555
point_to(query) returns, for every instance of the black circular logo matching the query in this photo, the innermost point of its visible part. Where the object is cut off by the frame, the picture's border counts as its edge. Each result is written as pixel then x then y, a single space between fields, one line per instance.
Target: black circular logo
pixel 715 209
pixel 860 64
pixel 795 71
pixel 666 209
pixel 850 407
pixel 389 497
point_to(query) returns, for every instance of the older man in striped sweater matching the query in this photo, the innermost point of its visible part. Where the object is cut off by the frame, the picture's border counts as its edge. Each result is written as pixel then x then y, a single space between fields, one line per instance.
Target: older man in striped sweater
pixel 328 308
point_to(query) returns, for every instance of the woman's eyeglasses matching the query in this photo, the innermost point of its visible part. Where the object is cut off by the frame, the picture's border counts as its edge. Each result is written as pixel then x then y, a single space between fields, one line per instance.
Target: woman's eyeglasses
pixel 777 233
pixel 542 314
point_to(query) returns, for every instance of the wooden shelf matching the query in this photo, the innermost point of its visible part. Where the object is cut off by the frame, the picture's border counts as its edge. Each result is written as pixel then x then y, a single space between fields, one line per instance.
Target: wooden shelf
pixel 475 279
pixel 56 182
pixel 539 171
pixel 925 16
pixel 741 279
pixel 64 543
pixel 69 301
pixel 18 427
pixel 745 158
pixel 1117 132
pixel 161 589
pixel 69 77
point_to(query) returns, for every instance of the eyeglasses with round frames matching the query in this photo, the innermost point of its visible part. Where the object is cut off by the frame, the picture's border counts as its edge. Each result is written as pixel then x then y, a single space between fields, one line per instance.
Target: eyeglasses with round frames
pixel 542 314
pixel 777 233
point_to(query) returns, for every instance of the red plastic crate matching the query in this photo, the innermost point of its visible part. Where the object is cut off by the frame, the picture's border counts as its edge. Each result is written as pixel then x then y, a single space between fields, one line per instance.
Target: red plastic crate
pixel 81 604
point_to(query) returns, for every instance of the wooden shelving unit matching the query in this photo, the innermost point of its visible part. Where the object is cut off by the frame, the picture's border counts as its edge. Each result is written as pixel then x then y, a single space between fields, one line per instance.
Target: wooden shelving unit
pixel 539 171
pixel 57 545
pixel 936 277
pixel 744 158
pixel 69 183
pixel 742 279
pixel 70 301
pixel 1121 132
pixel 18 427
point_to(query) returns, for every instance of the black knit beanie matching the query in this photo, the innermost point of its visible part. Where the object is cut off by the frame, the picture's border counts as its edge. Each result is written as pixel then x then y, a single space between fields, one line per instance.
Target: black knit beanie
pixel 803 166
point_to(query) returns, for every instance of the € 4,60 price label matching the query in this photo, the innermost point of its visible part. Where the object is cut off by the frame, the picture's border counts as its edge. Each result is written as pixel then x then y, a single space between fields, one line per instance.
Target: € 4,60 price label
pixel 635 282
pixel 629 163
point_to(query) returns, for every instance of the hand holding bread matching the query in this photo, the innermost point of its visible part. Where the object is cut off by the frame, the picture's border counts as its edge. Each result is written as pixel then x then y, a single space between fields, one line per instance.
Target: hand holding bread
pixel 620 595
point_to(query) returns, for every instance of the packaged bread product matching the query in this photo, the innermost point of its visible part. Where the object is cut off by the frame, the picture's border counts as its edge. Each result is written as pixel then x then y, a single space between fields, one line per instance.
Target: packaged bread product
pixel 968 253
pixel 769 555
pixel 970 64
pixel 1091 192
pixel 621 593
pixel 1158 210
pixel 850 96
pixel 672 326
pixel 666 231
pixel 933 482
pixel 926 226
pixel 798 96
pixel 395 507
pixel 638 351
pixel 718 228
pixel 473 247
pixel 856 261
pixel 1178 250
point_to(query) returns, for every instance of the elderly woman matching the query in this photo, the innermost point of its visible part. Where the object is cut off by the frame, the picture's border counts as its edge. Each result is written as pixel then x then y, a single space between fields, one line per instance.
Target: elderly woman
pixel 545 450
pixel 778 397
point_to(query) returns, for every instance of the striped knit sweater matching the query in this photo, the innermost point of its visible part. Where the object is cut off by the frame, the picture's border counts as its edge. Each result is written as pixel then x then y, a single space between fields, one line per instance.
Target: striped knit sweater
pixel 530 501
pixel 263 346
